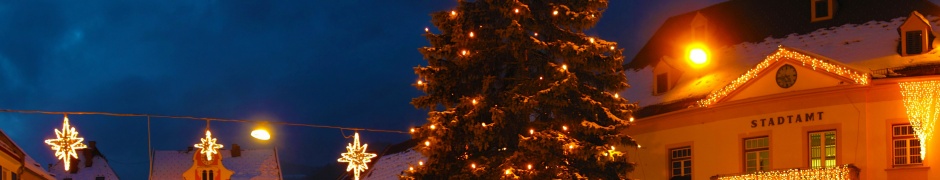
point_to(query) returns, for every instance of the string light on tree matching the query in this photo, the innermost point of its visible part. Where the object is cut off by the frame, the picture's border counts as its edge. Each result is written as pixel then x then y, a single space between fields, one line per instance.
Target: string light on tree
pixel 555 13
pixel 357 157
pixel 66 142
pixel 208 146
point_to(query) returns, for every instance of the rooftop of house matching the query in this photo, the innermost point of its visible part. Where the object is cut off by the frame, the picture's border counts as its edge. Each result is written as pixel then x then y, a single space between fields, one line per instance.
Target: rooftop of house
pixel 869 46
pixel 253 164
pixel 82 168
pixel 28 161
pixel 754 21
pixel 395 160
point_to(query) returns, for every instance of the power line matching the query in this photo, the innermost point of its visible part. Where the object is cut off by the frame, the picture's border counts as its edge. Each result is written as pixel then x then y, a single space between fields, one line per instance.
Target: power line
pixel 196 118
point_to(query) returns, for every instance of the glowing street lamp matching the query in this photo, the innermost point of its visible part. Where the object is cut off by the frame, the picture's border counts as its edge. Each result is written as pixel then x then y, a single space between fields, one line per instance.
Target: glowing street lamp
pixel 261 134
pixel 698 54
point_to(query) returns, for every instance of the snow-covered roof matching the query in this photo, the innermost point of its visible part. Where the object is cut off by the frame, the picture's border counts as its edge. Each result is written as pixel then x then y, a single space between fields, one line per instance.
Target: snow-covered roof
pixel 867 47
pixel 253 164
pixel 29 162
pixel 390 166
pixel 99 165
pixel 34 166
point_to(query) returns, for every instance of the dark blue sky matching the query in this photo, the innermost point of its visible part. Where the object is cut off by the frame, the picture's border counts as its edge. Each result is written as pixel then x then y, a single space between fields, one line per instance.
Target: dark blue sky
pixel 341 63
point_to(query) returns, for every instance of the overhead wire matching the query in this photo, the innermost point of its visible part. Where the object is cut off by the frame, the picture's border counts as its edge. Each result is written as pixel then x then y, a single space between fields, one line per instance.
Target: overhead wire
pixel 196 118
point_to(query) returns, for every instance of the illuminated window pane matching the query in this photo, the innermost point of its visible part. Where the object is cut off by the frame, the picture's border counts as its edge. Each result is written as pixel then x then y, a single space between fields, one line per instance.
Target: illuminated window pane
pixel 822 149
pixel 756 154
pixel 681 161
pixel 906 146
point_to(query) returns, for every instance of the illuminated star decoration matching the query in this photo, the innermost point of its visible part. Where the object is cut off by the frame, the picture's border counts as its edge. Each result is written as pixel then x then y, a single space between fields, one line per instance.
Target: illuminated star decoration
pixel 66 142
pixel 357 157
pixel 208 146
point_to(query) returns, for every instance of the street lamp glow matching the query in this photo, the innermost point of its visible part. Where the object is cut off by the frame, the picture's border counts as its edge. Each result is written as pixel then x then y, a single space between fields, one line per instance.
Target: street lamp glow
pixel 698 56
pixel 261 134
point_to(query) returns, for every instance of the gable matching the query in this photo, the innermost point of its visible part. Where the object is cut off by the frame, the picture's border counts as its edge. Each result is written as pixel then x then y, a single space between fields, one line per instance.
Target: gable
pixel 915 21
pixel 806 78
pixel 811 63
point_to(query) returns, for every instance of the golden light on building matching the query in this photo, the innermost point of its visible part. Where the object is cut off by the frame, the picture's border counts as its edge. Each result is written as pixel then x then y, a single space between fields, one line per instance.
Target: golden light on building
pixel 785 54
pixel 698 56
pixel 831 173
pixel 921 101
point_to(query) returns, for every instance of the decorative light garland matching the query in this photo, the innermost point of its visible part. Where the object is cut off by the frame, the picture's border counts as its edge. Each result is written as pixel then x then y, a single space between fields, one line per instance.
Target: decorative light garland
pixel 66 142
pixel 785 53
pixel 208 146
pixel 357 157
pixel 920 100
pixel 831 173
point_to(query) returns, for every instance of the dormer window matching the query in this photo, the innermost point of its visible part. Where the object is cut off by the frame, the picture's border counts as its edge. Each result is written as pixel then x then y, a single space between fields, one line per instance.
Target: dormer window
pixel 821 10
pixel 662 83
pixel 699 27
pixel 665 76
pixel 914 42
pixel 915 35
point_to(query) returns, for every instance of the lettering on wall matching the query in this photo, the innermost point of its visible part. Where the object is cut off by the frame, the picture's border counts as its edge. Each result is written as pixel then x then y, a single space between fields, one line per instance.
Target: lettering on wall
pixel 788 119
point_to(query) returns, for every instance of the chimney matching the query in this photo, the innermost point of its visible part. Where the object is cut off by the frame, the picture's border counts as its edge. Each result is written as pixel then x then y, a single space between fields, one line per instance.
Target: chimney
pixel 89 153
pixel 236 150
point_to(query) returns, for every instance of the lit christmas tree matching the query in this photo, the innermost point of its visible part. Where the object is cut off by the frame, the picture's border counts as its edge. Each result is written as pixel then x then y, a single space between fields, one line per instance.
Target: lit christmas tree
pixel 515 89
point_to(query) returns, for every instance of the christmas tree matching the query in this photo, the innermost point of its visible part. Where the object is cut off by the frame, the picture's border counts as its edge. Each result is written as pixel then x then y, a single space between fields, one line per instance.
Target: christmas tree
pixel 515 89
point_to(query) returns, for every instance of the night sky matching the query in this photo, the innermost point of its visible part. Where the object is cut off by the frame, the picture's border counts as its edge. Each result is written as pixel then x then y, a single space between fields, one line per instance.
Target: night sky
pixel 340 63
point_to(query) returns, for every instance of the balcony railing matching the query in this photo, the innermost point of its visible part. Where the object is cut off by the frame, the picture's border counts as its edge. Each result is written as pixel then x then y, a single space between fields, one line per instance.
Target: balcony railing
pixel 844 172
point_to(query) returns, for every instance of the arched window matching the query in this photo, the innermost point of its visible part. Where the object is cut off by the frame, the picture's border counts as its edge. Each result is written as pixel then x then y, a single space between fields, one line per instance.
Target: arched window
pixel 211 175
pixel 204 177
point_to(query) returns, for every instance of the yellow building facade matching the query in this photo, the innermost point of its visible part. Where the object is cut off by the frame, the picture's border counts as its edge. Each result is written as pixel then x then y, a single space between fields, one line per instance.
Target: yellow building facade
pixel 850 96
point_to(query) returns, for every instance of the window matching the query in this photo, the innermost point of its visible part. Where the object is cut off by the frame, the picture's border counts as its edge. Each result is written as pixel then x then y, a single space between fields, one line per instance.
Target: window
pixel 821 9
pixel 99 178
pixel 211 176
pixel 13 176
pixel 756 154
pixel 915 41
pixel 822 149
pixel 681 161
pixel 906 145
pixel 204 177
pixel 662 83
